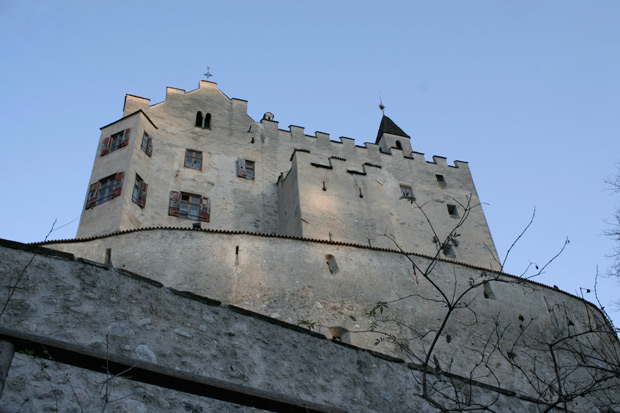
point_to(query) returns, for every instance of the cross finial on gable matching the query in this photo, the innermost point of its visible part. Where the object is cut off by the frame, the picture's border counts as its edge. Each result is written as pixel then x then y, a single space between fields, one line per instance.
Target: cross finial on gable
pixel 208 74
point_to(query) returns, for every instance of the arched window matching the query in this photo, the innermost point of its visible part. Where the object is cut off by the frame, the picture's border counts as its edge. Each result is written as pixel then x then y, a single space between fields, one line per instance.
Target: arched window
pixel 399 145
pixel 208 121
pixel 199 119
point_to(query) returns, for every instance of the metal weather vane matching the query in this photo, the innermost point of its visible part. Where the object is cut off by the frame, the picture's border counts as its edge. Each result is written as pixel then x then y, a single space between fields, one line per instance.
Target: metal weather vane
pixel 208 74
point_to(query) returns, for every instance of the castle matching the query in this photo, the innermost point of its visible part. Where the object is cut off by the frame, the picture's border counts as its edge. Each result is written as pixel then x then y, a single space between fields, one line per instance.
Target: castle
pixel 195 195
pixel 199 157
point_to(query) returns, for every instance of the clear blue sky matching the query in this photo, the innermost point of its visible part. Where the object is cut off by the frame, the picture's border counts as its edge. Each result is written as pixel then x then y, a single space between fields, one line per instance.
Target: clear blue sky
pixel 527 91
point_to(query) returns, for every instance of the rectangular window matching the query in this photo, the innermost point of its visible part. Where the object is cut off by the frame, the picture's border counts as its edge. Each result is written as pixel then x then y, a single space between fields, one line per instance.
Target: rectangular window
pixel 105 189
pixel 249 170
pixel 193 159
pixel 189 206
pixel 245 169
pixel 116 141
pixel 453 211
pixel 147 144
pixel 405 191
pixel 106 186
pixel 139 192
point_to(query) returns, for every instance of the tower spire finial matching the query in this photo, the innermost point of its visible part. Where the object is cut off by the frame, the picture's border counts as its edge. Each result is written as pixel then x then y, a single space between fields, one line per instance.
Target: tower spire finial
pixel 208 74
pixel 381 105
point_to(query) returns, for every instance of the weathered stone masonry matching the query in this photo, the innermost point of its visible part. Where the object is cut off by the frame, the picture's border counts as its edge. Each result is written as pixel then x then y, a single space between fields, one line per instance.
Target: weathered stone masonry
pixel 182 352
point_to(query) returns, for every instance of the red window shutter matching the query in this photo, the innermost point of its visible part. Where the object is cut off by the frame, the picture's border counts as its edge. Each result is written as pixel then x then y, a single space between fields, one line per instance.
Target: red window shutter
pixel 125 140
pixel 149 146
pixel 241 168
pixel 142 200
pixel 105 148
pixel 173 206
pixel 92 195
pixel 205 209
pixel 118 184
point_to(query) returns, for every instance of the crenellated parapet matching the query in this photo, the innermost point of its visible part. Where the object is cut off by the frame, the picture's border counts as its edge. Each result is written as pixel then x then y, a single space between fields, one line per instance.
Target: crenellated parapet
pixel 338 199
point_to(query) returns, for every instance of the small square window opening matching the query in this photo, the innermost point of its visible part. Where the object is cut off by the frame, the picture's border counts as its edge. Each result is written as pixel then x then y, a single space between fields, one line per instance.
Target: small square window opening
pixel 193 159
pixel 406 192
pixel 453 211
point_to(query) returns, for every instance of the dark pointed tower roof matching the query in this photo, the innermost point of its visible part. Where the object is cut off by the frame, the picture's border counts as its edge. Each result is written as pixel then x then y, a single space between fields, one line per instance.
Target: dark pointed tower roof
pixel 388 126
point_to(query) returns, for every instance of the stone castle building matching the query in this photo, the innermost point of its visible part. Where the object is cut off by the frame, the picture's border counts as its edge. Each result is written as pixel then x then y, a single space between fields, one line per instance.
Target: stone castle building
pixel 199 157
pixel 194 195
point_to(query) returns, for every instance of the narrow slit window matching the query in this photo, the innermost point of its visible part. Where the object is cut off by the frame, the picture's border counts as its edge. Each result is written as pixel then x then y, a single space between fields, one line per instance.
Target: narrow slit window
pixel 399 145
pixel 199 119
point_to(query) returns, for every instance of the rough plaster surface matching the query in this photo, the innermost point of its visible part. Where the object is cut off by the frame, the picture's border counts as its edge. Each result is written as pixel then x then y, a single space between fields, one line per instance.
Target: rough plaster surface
pixel 290 280
pixel 82 303
pixel 39 385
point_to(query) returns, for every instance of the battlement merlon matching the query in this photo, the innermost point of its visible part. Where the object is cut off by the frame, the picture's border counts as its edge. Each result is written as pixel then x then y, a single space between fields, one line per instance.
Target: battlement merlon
pixel 305 157
pixel 134 103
